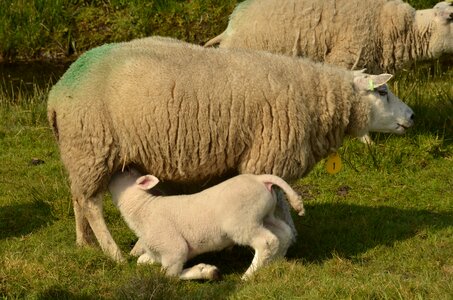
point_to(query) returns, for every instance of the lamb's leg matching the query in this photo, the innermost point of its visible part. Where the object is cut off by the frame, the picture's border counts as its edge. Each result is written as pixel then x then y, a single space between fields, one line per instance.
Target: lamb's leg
pixel 93 211
pixel 200 271
pixel 283 212
pixel 149 258
pixel 282 231
pixel 266 246
pixel 84 234
pixel 172 249
pixel 138 249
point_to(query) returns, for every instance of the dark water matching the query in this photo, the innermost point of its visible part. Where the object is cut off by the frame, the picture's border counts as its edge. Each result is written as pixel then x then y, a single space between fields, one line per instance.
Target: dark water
pixel 26 77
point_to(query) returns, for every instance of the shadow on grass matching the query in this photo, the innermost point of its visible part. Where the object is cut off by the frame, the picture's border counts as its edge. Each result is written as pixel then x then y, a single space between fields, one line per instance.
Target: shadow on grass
pixel 59 293
pixel 147 284
pixel 22 219
pixel 348 230
pixel 340 229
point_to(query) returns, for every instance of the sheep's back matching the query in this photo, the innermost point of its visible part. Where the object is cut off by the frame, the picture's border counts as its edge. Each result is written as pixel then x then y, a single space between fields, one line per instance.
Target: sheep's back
pixel 188 114
pixel 336 31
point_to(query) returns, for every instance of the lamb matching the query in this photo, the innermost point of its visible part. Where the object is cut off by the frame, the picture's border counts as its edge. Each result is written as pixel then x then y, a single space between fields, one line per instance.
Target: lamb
pixel 174 229
pixel 190 115
pixel 379 35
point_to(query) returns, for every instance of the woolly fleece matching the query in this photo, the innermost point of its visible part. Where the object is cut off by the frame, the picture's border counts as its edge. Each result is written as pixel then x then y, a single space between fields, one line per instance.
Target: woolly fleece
pixel 187 114
pixel 378 35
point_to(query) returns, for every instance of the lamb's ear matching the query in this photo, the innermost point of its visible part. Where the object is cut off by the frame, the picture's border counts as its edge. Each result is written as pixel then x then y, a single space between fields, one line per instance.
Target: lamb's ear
pixel 367 82
pixel 147 182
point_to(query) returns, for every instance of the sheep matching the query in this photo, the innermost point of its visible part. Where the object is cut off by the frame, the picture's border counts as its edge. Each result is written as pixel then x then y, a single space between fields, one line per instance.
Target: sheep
pixel 174 229
pixel 190 115
pixel 379 35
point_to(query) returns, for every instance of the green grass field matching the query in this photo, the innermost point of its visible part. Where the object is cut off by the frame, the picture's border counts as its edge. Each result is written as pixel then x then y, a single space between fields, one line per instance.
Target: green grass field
pixel 382 228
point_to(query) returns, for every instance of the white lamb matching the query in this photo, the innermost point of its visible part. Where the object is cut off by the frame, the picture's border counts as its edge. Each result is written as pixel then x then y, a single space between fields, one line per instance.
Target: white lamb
pixel 379 35
pixel 173 229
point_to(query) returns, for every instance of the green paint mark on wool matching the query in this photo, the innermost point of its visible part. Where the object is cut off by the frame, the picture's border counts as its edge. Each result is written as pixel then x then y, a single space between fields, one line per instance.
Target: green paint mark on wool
pixel 78 70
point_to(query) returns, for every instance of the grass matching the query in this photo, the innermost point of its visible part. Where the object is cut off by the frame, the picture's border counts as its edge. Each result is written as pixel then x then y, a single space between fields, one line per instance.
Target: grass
pixel 61 29
pixel 381 228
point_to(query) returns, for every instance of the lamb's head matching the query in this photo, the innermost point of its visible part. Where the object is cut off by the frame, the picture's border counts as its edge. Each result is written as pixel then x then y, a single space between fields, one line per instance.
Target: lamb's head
pixel 127 179
pixel 438 23
pixel 387 112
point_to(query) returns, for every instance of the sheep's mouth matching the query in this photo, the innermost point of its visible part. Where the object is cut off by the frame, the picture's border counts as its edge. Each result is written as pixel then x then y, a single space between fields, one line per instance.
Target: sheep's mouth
pixel 404 127
pixel 401 129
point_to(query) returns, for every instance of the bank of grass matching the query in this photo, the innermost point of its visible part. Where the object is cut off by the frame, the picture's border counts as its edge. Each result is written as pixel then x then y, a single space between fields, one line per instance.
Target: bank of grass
pixel 63 29
pixel 381 228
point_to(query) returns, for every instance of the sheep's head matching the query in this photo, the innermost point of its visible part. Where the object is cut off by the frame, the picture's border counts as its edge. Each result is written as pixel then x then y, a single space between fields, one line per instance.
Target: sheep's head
pixel 387 112
pixel 439 22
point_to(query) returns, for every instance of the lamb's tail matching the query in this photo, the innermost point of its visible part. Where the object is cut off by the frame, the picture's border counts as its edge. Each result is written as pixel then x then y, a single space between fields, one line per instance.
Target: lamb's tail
pixel 214 41
pixel 294 199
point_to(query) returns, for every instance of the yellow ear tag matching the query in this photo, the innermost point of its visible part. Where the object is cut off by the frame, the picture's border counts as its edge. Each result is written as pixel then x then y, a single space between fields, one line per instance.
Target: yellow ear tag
pixel 333 163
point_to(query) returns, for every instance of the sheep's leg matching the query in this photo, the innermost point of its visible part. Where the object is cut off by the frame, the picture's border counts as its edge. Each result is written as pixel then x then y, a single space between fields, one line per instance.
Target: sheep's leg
pixel 200 271
pixel 282 231
pixel 93 211
pixel 282 211
pixel 266 246
pixel 84 234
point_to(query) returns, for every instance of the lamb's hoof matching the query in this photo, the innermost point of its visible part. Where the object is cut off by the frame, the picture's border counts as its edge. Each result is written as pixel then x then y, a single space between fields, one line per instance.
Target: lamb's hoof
pixel 138 249
pixel 246 277
pixel 216 275
pixel 146 259
pixel 209 272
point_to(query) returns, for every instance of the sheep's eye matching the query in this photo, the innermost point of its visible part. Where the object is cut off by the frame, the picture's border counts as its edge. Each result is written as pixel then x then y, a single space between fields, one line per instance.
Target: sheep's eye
pixel 382 92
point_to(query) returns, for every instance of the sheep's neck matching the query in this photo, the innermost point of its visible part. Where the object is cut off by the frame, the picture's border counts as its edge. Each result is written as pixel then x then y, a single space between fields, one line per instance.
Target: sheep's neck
pixel 359 117
pixel 420 34
pixel 415 44
pixel 404 43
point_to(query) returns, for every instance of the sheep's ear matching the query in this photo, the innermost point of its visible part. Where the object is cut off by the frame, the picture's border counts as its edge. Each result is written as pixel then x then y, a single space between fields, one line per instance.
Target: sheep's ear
pixel 446 15
pixel 444 10
pixel 147 182
pixel 367 82
pixel 359 72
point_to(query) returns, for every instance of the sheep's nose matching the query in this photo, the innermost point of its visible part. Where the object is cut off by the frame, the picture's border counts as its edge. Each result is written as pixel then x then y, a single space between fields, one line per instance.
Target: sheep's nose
pixel 412 117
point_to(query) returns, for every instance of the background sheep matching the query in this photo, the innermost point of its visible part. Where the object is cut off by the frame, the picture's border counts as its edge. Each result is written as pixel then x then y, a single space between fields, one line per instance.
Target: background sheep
pixel 189 114
pixel 378 35
pixel 174 229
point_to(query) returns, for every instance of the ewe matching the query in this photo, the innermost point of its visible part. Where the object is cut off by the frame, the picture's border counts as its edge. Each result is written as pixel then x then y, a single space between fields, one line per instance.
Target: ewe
pixel 378 35
pixel 189 114
pixel 174 229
